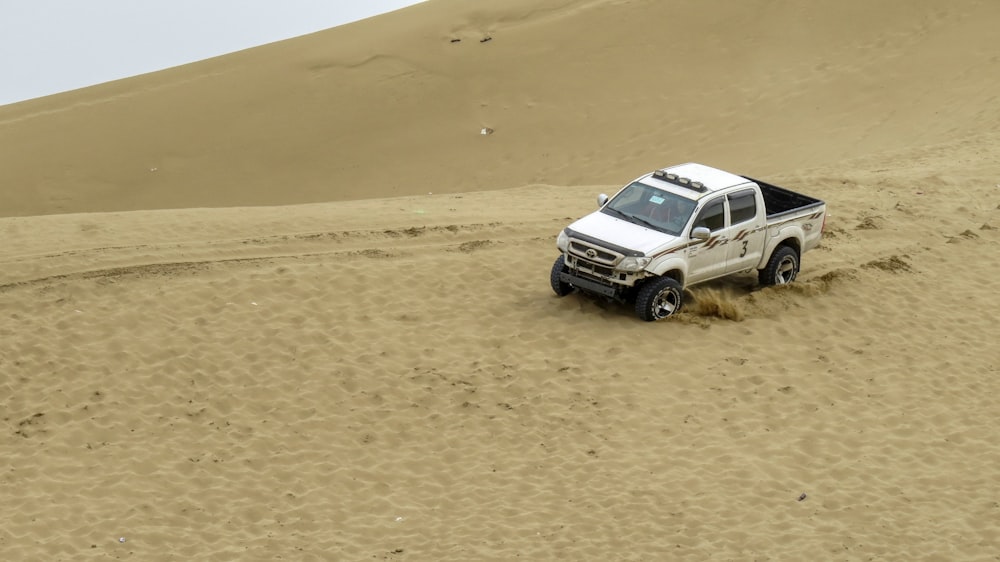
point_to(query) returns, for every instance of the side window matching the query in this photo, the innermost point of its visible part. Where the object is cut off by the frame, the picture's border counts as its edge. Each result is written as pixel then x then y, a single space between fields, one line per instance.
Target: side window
pixel 713 216
pixel 742 206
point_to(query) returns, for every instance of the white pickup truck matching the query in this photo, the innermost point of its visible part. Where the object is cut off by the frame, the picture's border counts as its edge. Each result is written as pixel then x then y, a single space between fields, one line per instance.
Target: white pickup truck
pixel 683 225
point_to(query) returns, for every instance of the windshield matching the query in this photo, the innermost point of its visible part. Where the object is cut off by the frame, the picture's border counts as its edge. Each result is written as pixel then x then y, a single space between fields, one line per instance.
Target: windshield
pixel 651 207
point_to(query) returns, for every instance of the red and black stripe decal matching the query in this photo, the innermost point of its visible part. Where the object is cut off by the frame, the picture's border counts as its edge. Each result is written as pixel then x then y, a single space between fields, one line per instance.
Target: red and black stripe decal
pixel 714 241
pixel 743 234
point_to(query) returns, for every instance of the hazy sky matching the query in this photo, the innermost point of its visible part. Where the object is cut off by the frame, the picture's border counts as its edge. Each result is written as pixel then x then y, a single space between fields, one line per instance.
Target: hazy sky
pixel 50 46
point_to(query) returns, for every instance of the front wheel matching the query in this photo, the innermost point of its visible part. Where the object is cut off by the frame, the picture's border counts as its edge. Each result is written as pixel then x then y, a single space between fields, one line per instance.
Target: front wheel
pixel 659 299
pixel 781 268
pixel 561 288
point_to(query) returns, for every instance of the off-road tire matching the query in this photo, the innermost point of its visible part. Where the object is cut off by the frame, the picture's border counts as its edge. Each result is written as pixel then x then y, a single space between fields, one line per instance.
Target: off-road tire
pixel 782 268
pixel 659 299
pixel 561 288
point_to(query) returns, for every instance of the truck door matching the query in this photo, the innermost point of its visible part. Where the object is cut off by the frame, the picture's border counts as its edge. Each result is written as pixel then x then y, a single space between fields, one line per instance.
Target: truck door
pixel 708 259
pixel 747 230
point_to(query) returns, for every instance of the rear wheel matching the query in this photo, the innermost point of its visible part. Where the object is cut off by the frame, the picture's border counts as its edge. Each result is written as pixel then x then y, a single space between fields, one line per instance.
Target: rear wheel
pixel 658 299
pixel 561 288
pixel 781 268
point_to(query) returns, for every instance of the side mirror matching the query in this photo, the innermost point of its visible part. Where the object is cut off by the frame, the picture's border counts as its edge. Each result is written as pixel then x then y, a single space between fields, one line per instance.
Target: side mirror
pixel 701 233
pixel 601 200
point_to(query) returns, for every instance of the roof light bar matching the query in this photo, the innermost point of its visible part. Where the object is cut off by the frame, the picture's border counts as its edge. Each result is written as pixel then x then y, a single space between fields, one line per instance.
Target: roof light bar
pixel 670 177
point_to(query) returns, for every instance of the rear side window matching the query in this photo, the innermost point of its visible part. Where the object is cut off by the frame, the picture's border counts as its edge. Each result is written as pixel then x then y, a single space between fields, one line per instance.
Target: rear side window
pixel 713 216
pixel 742 206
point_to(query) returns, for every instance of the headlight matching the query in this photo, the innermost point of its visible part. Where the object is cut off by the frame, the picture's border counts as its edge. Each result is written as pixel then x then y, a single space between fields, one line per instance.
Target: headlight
pixel 562 241
pixel 631 263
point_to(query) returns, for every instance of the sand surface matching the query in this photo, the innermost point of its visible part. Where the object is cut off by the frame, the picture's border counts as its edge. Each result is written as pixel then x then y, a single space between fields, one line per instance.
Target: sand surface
pixel 290 304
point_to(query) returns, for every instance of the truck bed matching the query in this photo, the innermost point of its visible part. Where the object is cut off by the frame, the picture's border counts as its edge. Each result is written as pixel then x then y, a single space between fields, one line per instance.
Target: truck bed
pixel 780 201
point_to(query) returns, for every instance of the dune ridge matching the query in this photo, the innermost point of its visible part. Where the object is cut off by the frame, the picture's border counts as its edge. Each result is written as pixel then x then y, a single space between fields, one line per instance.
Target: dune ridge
pixel 578 92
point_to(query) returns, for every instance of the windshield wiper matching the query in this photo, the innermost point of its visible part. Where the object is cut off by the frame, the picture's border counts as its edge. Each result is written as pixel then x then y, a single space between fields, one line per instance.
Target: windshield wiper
pixel 634 219
pixel 645 222
pixel 617 212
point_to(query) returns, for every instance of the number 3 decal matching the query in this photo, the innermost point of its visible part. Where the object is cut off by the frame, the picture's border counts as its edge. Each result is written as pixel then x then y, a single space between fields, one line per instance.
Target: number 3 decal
pixel 744 252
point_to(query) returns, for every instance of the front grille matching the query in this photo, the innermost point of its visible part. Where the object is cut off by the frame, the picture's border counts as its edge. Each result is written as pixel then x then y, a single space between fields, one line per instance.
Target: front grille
pixel 600 254
pixel 594 253
pixel 590 268
pixel 594 268
pixel 587 274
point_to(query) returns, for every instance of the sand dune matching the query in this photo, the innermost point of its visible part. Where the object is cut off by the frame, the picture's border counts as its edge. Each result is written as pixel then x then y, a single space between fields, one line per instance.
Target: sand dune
pixel 577 92
pixel 279 345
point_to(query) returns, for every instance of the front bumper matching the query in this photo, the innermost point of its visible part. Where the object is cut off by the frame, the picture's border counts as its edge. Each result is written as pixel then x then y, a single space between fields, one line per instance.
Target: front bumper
pixel 603 273
pixel 590 285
